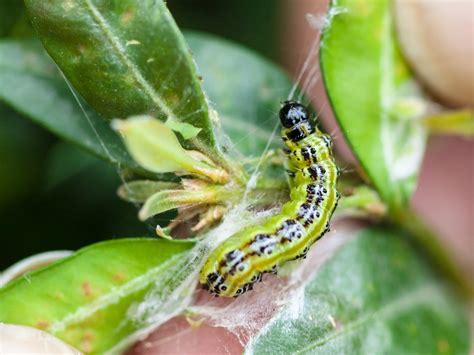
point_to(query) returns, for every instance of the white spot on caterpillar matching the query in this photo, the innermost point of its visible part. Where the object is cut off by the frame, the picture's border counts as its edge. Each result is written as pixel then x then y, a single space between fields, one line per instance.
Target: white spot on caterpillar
pixel 236 258
pixel 262 244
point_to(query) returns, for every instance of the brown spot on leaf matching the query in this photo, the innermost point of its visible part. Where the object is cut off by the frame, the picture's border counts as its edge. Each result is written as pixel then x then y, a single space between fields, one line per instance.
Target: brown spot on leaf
pixel 42 324
pixel 173 99
pixel 127 16
pixel 118 277
pixel 86 342
pixel 86 289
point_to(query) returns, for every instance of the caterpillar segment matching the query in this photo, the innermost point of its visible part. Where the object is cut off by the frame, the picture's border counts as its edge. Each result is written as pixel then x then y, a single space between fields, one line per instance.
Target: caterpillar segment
pixel 241 260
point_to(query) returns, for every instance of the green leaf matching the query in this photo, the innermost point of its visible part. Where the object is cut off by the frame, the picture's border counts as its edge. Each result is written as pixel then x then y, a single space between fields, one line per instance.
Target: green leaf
pixel 186 130
pixel 366 78
pixel 153 145
pixel 156 148
pixel 85 299
pixel 247 103
pixel 41 94
pixel 139 191
pixel 244 88
pixel 125 58
pixel 374 296
pixel 10 12
pixel 172 199
pixel 361 201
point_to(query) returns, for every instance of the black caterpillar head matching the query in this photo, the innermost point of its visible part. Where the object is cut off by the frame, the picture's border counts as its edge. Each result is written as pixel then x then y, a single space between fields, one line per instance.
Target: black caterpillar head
pixel 293 113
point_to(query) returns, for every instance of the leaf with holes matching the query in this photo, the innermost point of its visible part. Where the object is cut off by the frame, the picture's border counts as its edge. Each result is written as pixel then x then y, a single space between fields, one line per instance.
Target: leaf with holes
pixel 374 296
pixel 366 80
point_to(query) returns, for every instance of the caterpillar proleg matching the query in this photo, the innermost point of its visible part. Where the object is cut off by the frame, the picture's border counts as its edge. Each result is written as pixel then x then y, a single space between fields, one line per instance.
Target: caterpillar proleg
pixel 241 260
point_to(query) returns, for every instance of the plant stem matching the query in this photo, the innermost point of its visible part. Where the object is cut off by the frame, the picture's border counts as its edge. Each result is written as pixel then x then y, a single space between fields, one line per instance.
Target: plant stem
pixel 453 122
pixel 436 252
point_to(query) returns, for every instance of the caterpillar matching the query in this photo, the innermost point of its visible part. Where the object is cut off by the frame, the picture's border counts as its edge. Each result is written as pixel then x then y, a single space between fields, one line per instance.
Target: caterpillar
pixel 242 259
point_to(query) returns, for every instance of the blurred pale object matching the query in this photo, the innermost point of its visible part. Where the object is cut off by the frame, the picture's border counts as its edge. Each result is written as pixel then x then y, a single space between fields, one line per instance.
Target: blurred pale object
pixel 437 37
pixel 31 263
pixel 18 339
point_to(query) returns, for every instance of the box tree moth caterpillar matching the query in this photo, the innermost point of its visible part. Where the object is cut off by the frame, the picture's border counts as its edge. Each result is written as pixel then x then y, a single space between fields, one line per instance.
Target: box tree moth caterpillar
pixel 241 260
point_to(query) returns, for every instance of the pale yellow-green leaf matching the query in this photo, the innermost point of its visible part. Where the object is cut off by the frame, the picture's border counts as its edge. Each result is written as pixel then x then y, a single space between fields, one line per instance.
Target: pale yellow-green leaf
pixel 171 199
pixel 140 190
pixel 187 130
pixel 155 146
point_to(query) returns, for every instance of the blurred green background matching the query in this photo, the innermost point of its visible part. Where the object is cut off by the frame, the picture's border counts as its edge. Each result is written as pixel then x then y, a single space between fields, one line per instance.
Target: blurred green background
pixel 54 196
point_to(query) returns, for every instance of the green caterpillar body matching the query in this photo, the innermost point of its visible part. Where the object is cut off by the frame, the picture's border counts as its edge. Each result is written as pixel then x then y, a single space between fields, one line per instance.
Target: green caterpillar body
pixel 241 260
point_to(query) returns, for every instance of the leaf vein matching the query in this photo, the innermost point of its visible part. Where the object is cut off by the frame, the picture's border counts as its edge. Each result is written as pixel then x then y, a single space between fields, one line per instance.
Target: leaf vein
pixel 417 296
pixel 122 54
pixel 113 296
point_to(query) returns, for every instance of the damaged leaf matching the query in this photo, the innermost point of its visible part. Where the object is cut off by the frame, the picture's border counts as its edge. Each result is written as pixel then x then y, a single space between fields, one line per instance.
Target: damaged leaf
pixel 156 148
